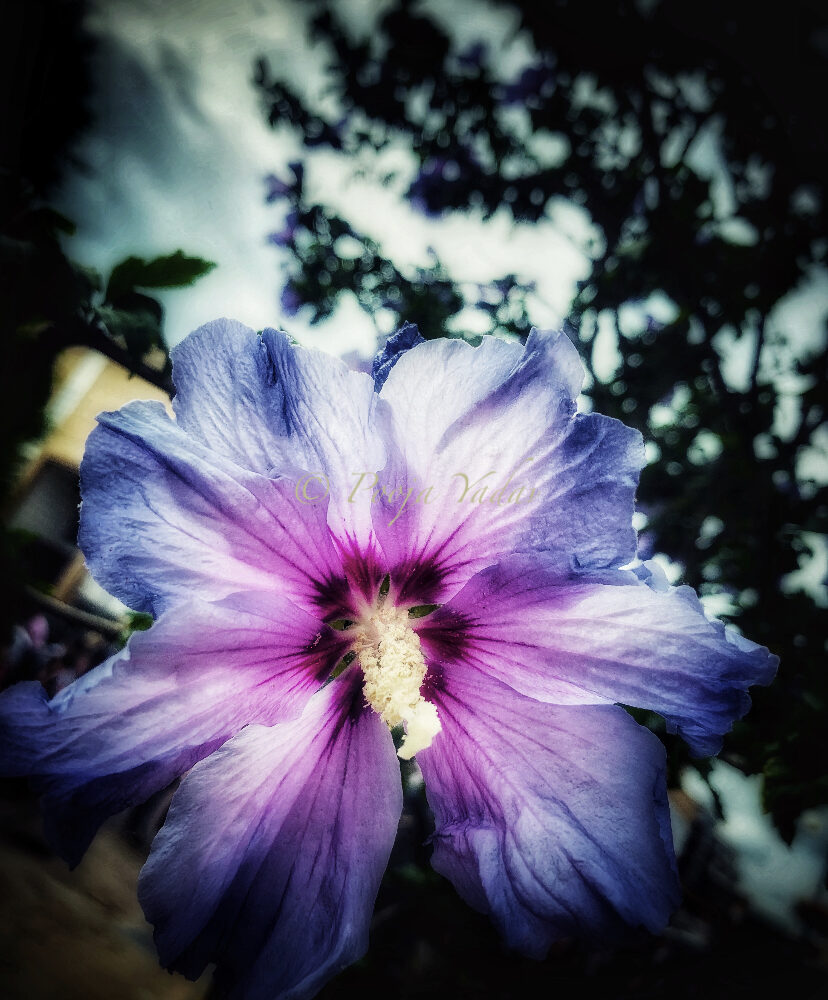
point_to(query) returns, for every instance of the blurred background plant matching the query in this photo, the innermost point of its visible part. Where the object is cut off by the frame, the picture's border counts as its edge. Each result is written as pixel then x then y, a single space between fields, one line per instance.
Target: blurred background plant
pixel 48 301
pixel 650 173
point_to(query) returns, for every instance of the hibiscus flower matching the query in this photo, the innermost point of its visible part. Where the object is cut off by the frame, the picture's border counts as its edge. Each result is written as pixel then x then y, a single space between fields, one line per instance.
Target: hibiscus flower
pixel 438 550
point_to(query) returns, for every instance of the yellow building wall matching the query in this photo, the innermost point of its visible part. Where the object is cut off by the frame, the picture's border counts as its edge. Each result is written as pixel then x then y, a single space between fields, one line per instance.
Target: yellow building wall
pixel 86 384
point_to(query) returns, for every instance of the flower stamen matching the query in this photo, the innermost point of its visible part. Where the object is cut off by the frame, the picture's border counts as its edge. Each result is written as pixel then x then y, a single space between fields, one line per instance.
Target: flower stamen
pixel 393 668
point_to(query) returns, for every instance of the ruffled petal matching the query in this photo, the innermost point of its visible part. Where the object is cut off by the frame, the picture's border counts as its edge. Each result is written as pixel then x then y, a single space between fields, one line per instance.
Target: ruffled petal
pixel 492 431
pixel 337 429
pixel 164 516
pixel 135 723
pixel 273 850
pixel 278 409
pixel 551 819
pixel 227 397
pixel 403 340
pixel 608 638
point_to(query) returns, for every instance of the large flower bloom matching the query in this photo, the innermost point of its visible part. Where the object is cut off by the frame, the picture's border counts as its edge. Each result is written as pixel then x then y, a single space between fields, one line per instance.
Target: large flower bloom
pixel 329 555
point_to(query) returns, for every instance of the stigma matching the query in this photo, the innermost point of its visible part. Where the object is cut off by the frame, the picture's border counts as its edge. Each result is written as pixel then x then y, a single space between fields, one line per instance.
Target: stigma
pixel 393 669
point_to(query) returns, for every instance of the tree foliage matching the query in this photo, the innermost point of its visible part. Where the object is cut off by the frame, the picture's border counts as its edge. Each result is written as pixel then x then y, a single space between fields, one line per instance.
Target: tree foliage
pixel 688 134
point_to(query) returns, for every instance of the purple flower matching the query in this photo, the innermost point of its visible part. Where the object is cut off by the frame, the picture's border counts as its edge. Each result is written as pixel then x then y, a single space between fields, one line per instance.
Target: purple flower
pixel 403 340
pixel 425 189
pixel 285 236
pixel 276 188
pixel 473 57
pixel 442 182
pixel 270 530
pixel 533 82
pixel 291 301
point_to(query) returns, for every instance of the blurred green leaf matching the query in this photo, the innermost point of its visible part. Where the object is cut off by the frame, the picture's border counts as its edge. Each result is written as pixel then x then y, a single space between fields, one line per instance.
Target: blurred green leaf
pixel 176 270
pixel 54 221
pixel 139 329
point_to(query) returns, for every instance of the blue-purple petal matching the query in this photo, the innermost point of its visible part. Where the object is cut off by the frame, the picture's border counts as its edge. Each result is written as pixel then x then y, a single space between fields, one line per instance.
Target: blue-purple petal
pixel 493 431
pixel 275 408
pixel 336 425
pixel 551 819
pixel 132 725
pixel 164 516
pixel 227 397
pixel 609 637
pixel 273 850
pixel 403 340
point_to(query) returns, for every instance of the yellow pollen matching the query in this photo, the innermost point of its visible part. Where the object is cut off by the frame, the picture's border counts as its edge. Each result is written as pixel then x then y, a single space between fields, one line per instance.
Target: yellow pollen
pixel 393 669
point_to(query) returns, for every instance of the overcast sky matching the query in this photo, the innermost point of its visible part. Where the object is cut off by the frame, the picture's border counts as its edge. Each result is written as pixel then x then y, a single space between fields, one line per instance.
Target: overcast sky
pixel 180 149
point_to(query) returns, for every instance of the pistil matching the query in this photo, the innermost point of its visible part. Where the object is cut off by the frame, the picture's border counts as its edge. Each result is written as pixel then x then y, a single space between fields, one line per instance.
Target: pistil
pixel 394 668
